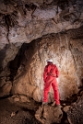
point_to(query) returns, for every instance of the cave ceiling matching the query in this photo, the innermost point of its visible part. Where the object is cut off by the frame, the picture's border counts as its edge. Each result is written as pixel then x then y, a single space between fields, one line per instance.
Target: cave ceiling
pixel 26 20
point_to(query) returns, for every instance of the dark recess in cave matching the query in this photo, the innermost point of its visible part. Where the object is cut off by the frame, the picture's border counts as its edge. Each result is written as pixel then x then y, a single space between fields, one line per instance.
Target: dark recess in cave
pixel 14 64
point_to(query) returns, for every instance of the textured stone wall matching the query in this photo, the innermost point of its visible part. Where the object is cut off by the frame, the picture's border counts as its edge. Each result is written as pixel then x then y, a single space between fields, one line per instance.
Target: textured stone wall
pixel 66 54
pixel 25 21
pixel 54 30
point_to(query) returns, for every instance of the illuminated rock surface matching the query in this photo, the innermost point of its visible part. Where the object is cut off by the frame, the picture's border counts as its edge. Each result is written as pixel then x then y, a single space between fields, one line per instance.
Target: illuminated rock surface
pixel 31 31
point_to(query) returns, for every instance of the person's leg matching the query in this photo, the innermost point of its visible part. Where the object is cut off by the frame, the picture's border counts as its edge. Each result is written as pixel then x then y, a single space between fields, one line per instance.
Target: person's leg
pixel 46 90
pixel 56 93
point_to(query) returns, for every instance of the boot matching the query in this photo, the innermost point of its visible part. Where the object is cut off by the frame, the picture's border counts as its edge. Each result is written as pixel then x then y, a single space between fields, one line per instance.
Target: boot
pixel 44 103
pixel 53 104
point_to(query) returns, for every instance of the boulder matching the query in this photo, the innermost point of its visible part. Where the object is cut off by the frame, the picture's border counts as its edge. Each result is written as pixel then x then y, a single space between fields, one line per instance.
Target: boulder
pixel 48 114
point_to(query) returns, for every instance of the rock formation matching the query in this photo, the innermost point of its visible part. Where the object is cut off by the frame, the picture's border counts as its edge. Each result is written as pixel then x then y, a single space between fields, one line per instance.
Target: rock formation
pixel 75 113
pixel 25 21
pixel 48 114
pixel 31 31
pixel 64 52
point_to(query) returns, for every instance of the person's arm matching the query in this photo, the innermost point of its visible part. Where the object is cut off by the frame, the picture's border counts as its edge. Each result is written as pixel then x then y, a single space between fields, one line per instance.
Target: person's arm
pixel 57 72
pixel 45 73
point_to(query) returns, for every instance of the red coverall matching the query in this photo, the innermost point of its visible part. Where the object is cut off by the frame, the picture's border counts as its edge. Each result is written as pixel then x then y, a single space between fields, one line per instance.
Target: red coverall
pixel 50 74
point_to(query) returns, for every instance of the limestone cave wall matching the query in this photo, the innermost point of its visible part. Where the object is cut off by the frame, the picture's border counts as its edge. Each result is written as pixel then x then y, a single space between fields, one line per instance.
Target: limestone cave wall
pixel 66 55
pixel 25 77
pixel 30 33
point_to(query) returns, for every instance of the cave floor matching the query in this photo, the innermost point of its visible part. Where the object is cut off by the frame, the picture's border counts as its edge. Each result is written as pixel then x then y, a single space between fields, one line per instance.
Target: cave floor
pixel 22 113
pixel 18 113
pixel 11 113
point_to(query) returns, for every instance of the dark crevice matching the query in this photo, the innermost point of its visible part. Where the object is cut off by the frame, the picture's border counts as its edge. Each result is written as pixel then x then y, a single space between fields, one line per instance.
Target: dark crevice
pixel 21 58
pixel 30 7
pixel 2 56
pixel 5 97
pixel 64 119
pixel 7 22
pixel 14 64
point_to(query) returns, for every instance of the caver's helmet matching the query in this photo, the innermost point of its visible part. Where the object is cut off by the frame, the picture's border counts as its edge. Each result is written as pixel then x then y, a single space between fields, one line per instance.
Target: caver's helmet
pixel 49 60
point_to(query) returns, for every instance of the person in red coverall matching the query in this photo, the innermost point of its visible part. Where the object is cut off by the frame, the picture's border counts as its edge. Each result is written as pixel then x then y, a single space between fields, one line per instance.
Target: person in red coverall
pixel 50 74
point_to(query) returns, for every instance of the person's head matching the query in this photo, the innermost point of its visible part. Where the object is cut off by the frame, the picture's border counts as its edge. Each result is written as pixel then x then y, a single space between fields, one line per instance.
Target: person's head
pixel 49 61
